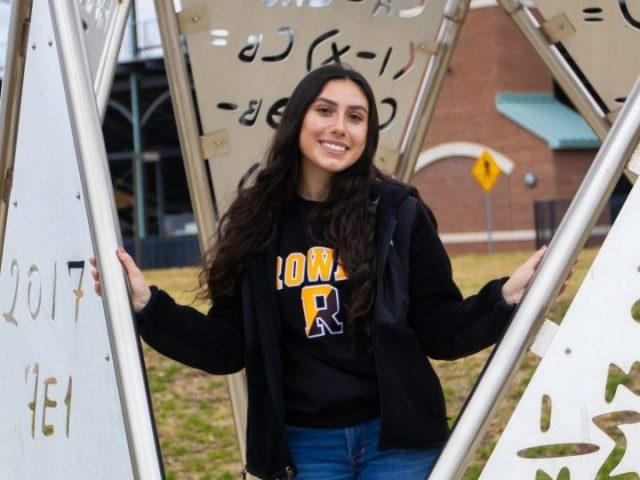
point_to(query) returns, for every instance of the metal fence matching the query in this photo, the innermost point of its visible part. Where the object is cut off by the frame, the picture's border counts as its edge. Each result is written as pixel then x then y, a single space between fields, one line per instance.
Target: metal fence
pixel 165 252
pixel 549 213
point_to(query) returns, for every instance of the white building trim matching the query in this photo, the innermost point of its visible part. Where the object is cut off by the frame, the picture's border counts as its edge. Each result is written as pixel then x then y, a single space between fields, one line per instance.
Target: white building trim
pixel 473 150
pixel 506 236
pixel 461 149
pixel 482 237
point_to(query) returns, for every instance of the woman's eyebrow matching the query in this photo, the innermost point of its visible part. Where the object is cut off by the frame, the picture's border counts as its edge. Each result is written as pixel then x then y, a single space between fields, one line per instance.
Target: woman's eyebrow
pixel 335 104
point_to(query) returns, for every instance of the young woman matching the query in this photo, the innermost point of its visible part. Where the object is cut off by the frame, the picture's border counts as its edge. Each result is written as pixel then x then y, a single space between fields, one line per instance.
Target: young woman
pixel 330 286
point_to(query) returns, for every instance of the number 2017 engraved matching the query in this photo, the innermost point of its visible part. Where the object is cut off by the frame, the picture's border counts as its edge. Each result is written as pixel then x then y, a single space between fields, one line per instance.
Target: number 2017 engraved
pixel 9 315
pixel 34 291
pixel 33 311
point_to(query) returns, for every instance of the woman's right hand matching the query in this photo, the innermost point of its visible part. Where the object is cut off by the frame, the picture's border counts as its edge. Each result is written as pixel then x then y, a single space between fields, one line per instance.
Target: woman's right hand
pixel 138 287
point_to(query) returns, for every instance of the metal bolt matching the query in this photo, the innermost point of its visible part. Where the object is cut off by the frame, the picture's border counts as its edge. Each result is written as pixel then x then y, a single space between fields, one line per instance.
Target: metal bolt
pixel 107 357
pixel 428 47
pixel 78 195
pixel 567 351
pixel 33 46
pixel 50 42
pixel 15 203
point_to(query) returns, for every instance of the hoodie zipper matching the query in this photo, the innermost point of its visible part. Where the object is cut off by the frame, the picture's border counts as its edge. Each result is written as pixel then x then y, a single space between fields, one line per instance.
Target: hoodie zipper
pixel 378 305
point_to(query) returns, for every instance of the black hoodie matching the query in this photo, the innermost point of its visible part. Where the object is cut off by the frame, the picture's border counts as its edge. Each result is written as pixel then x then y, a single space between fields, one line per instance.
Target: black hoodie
pixel 419 313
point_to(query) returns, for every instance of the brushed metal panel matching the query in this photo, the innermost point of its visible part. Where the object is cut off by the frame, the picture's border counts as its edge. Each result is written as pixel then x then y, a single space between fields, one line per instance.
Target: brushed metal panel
pixel 61 415
pixel 604 45
pixel 589 374
pixel 255 51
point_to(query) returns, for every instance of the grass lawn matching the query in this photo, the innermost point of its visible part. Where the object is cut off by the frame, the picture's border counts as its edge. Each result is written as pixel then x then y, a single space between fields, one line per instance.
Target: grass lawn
pixel 192 409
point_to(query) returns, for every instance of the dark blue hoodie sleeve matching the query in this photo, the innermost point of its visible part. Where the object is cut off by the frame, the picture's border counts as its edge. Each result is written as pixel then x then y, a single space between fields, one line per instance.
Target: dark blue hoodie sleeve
pixel 447 325
pixel 213 342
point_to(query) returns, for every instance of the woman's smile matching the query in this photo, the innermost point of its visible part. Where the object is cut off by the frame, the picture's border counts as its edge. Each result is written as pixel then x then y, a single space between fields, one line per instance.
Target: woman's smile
pixel 333 136
pixel 333 147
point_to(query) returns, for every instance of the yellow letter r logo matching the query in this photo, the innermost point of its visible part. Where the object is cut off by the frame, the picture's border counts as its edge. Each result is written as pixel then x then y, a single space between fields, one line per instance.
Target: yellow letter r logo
pixel 321 306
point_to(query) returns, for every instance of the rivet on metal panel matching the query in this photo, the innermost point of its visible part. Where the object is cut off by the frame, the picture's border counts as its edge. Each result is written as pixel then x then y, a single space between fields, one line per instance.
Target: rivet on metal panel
pixel 193 20
pixel 430 48
pixel 33 46
pixel 387 160
pixel 15 203
pixel 78 195
pixel 107 357
pixel 215 144
pixel 567 351
pixel 557 28
pixel 50 43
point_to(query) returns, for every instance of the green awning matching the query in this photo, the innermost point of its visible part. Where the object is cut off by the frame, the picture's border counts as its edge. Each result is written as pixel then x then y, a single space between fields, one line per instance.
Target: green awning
pixel 544 116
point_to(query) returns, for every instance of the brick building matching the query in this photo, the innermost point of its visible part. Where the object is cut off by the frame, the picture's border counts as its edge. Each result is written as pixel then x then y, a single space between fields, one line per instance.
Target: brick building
pixel 499 96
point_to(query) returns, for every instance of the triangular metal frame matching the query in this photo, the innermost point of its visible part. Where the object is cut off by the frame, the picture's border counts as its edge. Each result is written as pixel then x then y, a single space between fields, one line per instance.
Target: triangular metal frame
pixel 197 174
pixel 567 243
pixel 615 154
pixel 85 115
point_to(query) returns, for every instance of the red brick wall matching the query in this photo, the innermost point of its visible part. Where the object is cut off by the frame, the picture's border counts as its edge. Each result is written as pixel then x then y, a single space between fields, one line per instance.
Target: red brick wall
pixel 456 198
pixel 570 167
pixel 492 56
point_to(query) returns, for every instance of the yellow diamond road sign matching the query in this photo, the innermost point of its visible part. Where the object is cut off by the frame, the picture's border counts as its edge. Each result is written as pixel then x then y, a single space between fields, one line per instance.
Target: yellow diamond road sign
pixel 486 171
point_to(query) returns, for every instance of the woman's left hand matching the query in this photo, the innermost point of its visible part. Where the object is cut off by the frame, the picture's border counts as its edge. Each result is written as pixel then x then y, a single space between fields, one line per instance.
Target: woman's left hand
pixel 514 288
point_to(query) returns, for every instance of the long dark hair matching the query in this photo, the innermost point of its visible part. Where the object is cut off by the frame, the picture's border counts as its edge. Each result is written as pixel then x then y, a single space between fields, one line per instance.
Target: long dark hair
pixel 348 214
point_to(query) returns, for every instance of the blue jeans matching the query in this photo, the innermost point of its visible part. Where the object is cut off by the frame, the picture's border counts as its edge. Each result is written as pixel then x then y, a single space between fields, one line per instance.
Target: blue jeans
pixel 352 454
